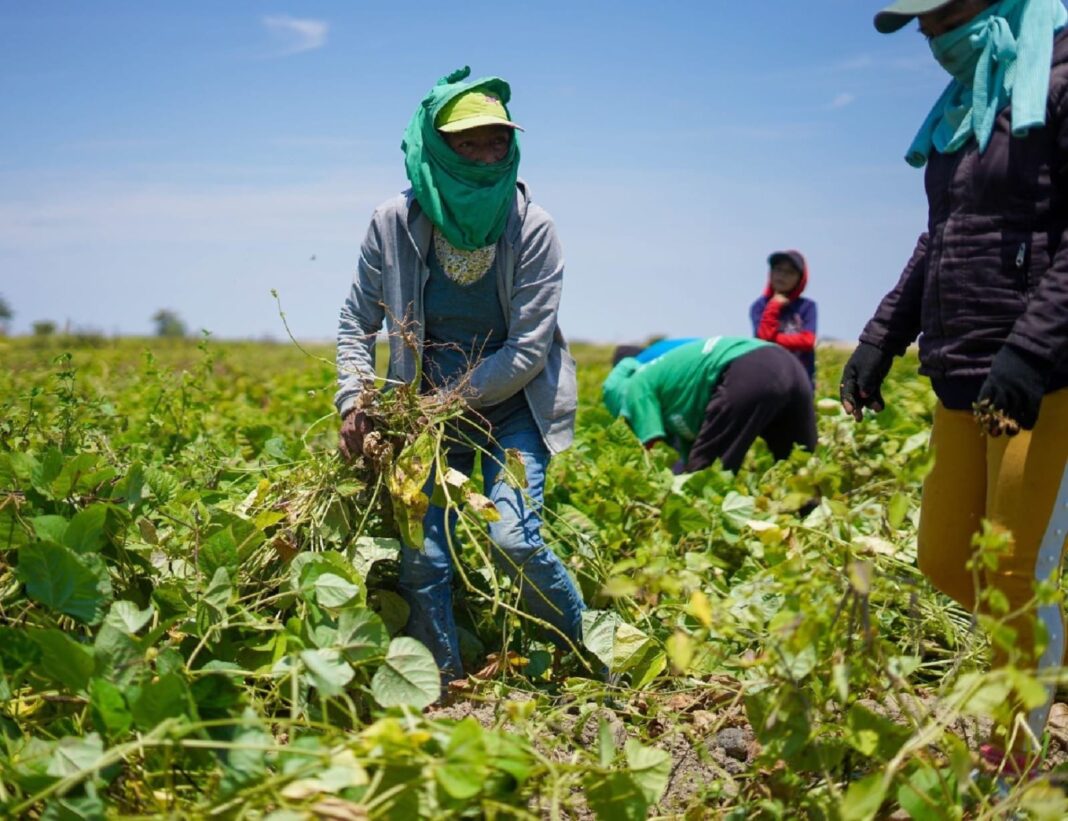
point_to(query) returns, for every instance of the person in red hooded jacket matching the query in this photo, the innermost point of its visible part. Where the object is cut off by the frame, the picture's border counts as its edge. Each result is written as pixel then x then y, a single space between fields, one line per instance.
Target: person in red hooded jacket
pixel 781 315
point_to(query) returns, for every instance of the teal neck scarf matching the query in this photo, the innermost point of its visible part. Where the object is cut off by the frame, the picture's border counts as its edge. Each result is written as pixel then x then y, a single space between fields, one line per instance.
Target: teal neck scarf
pixel 1002 55
pixel 468 202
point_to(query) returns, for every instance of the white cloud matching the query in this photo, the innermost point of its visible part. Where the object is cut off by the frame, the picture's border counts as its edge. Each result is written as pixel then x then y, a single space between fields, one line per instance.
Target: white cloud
pixel 841 101
pixel 296 35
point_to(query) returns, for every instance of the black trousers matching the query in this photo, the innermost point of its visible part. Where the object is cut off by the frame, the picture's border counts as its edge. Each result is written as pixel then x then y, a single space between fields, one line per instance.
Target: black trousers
pixel 764 393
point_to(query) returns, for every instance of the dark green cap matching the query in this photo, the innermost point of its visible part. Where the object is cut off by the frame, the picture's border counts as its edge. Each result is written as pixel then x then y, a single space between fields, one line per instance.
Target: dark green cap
pixel 899 13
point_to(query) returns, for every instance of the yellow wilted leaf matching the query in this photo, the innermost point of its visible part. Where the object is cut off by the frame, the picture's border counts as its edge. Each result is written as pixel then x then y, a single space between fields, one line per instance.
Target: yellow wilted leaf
pixel 700 608
pixel 769 533
pixel 680 652
pixel 860 573
pixel 515 471
pixel 484 507
pixel 619 587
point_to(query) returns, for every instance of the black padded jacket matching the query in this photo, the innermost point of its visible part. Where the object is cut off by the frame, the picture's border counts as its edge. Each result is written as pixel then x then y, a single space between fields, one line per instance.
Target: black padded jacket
pixel 992 266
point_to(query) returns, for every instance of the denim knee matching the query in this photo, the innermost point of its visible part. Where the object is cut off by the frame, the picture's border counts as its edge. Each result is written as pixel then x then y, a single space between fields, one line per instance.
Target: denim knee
pixel 431 566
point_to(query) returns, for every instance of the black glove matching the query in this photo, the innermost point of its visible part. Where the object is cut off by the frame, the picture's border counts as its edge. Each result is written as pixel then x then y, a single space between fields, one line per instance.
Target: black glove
pixel 1010 397
pixel 862 377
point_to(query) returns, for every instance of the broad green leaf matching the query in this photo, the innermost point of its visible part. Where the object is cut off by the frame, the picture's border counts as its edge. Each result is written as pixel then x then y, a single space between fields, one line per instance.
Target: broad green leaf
pixel 343 772
pixel 924 795
pixel 408 675
pixel 18 656
pixel 615 642
pixel 464 770
pixel 85 534
pixel 247 537
pixel 59 578
pixel 111 715
pixel 118 654
pixel 1030 691
pixel 392 609
pixel 50 528
pixel 649 767
pixel 873 735
pixel 737 509
pixel 89 807
pixel 216 695
pixel 126 616
pixel 63 659
pixel 160 699
pixel 327 670
pixel 650 663
pixel 615 797
pixel 510 754
pixel 361 635
pixel 13 533
pixel 212 607
pixel 367 550
pixel 129 491
pixel 680 516
pixel 306 569
pixel 45 471
pixel 863 798
pixel 77 473
pixel 246 763
pixel 75 754
pixel 1043 801
pixel 981 695
pixel 220 550
pixel 219 591
pixel 333 591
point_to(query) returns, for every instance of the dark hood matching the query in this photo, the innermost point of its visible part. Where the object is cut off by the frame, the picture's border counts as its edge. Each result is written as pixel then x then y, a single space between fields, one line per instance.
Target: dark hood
pixel 799 261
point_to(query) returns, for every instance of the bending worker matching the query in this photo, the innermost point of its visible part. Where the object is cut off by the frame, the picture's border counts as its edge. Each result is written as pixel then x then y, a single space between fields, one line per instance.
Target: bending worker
pixel 711 398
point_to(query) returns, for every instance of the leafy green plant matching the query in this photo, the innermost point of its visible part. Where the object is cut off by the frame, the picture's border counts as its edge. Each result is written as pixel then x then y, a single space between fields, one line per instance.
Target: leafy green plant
pixel 199 615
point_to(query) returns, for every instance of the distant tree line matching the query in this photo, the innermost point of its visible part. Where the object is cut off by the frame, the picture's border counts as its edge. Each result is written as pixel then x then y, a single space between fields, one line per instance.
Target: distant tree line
pixel 168 323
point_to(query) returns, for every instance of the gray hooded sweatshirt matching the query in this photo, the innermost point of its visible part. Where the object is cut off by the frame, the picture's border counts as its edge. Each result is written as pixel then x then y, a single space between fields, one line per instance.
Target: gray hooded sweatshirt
pixel 388 288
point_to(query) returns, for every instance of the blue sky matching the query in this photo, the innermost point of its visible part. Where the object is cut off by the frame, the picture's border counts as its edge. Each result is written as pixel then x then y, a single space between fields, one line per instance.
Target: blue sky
pixel 195 155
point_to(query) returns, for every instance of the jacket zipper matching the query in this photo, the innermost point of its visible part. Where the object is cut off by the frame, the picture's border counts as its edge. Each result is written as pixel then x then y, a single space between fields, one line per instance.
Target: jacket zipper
pixel 1021 255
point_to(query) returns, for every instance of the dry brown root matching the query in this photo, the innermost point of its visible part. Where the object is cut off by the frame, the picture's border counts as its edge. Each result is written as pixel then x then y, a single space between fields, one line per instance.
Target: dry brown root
pixel 993 420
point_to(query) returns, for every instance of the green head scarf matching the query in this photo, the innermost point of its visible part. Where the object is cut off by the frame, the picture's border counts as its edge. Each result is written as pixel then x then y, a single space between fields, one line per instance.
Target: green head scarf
pixel 467 201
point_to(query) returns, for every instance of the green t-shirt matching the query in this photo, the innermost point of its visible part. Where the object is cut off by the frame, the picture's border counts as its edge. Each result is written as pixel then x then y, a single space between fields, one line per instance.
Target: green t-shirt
pixel 666 398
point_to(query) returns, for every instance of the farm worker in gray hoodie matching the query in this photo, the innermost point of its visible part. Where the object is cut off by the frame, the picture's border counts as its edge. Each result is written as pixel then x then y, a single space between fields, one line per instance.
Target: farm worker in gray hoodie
pixel 467 265
pixel 986 292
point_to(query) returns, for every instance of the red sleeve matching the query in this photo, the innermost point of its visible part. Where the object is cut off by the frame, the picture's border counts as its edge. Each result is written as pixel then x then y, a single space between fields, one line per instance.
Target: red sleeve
pixel 768 329
pixel 803 341
pixel 769 321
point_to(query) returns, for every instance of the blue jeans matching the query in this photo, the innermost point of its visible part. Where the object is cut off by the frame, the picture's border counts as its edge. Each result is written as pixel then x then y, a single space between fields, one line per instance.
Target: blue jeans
pixel 546 589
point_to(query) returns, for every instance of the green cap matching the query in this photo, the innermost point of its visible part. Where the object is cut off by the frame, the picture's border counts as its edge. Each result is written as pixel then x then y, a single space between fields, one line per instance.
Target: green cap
pixel 472 109
pixel 899 13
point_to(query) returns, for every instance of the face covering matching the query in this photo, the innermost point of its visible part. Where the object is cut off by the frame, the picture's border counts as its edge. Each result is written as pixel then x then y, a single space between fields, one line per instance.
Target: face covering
pixel 1001 56
pixel 468 202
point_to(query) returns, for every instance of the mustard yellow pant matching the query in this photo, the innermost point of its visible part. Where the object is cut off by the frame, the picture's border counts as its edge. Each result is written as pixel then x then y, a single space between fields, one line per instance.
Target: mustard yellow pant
pixel 1020 483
